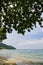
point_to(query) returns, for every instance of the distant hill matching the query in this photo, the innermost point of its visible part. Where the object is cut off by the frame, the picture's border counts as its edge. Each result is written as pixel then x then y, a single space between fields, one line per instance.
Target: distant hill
pixel 4 46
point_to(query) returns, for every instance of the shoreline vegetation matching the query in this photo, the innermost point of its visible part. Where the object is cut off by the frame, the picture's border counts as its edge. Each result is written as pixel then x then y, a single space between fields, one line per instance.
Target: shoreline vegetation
pixel 5 46
pixel 13 61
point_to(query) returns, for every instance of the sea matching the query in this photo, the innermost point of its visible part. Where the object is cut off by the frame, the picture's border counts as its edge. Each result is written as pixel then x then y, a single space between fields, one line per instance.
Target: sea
pixel 24 54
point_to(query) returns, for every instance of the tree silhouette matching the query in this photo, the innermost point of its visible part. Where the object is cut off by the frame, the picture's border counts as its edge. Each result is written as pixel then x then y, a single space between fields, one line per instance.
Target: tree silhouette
pixel 21 15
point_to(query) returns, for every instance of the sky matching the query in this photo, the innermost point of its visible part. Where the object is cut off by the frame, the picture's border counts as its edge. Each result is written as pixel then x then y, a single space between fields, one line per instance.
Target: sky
pixel 31 40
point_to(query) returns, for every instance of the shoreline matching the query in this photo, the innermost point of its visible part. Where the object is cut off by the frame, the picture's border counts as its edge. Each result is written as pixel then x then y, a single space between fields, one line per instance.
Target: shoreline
pixel 16 61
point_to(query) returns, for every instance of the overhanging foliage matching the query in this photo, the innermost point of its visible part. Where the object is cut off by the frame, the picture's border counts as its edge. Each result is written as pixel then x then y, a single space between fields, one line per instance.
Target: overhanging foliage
pixel 21 15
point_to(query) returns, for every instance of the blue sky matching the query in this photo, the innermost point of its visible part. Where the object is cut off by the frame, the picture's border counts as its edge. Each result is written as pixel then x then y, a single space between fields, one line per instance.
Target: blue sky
pixel 31 40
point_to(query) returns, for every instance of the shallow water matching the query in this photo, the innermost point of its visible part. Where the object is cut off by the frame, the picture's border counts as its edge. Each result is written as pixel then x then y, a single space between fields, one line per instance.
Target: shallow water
pixel 29 54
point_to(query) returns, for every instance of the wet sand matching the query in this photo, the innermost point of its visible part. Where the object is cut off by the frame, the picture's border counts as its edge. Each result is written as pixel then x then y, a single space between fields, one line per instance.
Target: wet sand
pixel 15 61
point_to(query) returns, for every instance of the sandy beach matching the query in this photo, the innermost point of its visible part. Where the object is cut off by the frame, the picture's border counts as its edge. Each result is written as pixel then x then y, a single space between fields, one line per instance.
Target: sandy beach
pixel 5 61
pixel 13 61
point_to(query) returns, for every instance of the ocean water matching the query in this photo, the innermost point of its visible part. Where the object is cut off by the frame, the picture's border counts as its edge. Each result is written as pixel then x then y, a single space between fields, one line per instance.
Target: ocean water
pixel 29 54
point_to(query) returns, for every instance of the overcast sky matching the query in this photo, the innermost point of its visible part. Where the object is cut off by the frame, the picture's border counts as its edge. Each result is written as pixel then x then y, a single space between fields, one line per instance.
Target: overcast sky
pixel 31 40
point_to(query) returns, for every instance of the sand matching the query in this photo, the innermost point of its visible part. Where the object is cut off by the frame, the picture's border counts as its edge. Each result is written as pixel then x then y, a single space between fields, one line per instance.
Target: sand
pixel 5 61
pixel 15 61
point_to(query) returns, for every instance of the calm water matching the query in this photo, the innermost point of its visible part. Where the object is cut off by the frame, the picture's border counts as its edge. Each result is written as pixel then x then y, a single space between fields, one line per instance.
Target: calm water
pixel 36 54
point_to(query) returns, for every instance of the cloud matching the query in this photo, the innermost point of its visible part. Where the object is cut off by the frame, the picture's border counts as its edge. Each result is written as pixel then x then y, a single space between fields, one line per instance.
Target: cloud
pixel 27 42
pixel 36 43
